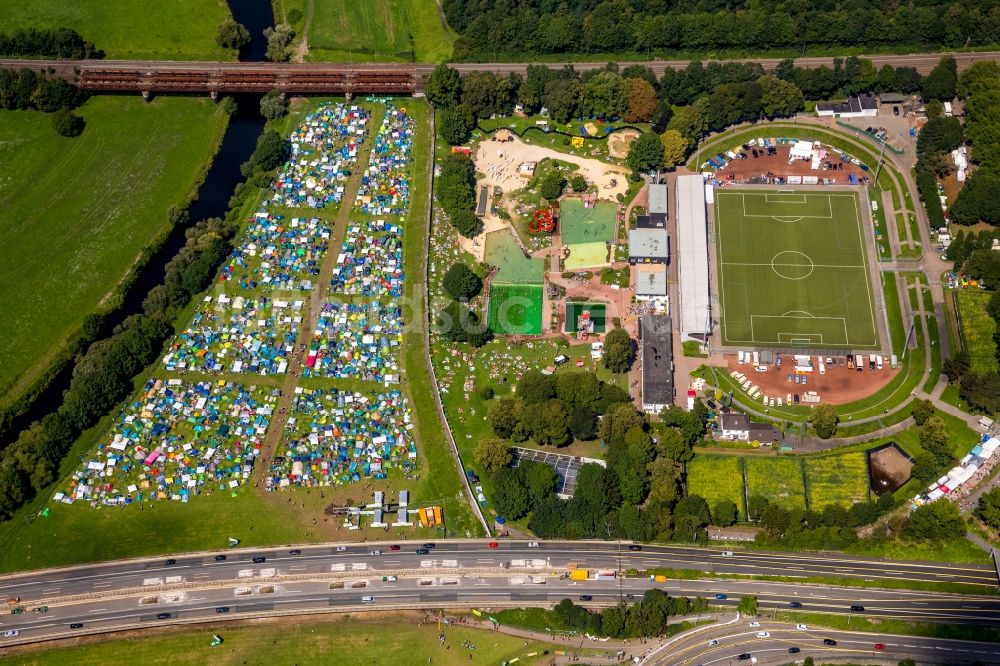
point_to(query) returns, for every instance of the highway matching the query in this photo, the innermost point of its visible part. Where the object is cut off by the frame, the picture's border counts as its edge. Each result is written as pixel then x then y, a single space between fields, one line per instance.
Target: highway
pixel 454 574
pixel 735 637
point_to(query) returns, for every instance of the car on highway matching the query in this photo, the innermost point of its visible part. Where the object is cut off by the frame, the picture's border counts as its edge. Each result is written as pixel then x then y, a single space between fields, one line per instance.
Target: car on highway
pixel 586 597
pixel 634 547
pixel 714 641
pixel 533 544
pixel 793 650
pixel 376 553
pixel 222 609
pixel 76 625
pixel 430 546
pixel 170 562
pixel 721 597
pixel 163 616
pixel 802 627
pixel 10 633
pixel 341 549
pixel 17 610
pixel 829 641
pixel 630 596
pixel 727 553
pixel 260 559
pixel 494 544
pixel 763 634
pixel 295 552
pixel 423 551
pixel 744 657
pixel 394 547
pixel 220 558
pixel 857 609
pixel 754 624
pixel 795 604
pixel 879 646
pixel 40 609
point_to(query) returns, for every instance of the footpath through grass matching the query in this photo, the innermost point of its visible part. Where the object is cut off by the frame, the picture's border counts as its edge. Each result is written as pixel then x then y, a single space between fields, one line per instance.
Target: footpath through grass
pixel 75 214
pixel 130 30
pixel 351 641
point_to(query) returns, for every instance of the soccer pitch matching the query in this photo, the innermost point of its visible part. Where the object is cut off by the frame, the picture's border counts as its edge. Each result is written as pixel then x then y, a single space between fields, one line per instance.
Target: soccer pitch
pixel 793 270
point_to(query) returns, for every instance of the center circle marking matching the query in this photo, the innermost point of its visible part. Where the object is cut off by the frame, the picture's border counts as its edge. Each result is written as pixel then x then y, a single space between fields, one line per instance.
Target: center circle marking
pixel 792 265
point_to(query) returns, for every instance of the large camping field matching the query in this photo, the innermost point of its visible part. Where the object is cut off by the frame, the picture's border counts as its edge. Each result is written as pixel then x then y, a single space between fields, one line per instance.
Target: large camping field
pixel 75 214
pixel 125 29
pixel 793 270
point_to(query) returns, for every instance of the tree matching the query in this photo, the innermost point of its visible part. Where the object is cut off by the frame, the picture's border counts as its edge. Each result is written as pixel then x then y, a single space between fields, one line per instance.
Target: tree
pixel 578 183
pixel 279 38
pixel 618 351
pixel 921 410
pixel 582 423
pixel 933 436
pixel 271 151
pixel 535 387
pixel 957 365
pixel 455 123
pixel 273 105
pixel 724 513
pixel 642 100
pixel 779 98
pixel 618 421
pixel 562 98
pixel 755 506
pixel 748 605
pixel 824 419
pixel 941 82
pixel 443 86
pixel 510 495
pixel 689 121
pixel 552 184
pixel 605 95
pixel 461 282
pixel 539 479
pixel 503 416
pixel 675 147
pixel 934 109
pixel 232 35
pixel 937 521
pixel 67 123
pixel 645 154
pixel 988 510
pixel 487 94
pixel 456 322
pixel 547 422
pixel 492 455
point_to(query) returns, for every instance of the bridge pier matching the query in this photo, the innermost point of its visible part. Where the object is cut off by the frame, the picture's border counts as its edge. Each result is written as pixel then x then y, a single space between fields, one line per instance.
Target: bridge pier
pixel 215 95
pixel 347 95
pixel 147 95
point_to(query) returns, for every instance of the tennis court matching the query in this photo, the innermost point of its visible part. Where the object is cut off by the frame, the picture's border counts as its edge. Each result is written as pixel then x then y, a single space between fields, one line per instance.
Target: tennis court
pixel 793 270
pixel 515 268
pixel 515 309
pixel 598 313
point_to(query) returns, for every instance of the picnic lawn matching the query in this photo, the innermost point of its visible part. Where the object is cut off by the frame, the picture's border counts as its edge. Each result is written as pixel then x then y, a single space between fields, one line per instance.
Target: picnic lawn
pixel 75 214
pixel 129 30
pixel 351 641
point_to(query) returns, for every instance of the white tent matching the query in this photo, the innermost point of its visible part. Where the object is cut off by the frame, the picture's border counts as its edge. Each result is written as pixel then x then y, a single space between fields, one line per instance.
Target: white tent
pixel 801 150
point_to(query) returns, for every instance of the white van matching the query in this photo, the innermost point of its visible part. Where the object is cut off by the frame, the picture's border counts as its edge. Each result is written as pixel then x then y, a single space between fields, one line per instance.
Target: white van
pixel 822 368
pixel 859 363
pixel 878 362
pixel 368 600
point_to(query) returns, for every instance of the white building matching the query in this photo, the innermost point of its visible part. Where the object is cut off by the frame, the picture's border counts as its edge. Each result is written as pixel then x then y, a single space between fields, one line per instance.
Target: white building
pixel 692 257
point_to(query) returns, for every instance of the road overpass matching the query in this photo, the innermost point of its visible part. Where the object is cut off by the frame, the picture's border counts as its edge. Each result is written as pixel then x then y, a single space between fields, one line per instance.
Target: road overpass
pixel 219 78
pixel 456 574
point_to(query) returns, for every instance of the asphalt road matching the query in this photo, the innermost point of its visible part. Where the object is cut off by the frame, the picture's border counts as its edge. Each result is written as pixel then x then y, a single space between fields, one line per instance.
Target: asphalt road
pixel 738 637
pixel 455 574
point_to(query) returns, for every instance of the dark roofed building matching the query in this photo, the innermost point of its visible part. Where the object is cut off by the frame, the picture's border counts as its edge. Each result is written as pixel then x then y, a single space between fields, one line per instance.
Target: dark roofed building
pixel 739 427
pixel 656 338
pixel 651 221
pixel 859 106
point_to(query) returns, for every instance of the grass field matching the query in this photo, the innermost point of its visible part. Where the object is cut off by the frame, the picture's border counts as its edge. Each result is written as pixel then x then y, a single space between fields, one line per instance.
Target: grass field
pixel 716 478
pixel 977 328
pixel 383 30
pixel 837 479
pixel 125 29
pixel 586 225
pixel 353 642
pixel 503 251
pixel 515 309
pixel 793 270
pixel 777 479
pixel 75 214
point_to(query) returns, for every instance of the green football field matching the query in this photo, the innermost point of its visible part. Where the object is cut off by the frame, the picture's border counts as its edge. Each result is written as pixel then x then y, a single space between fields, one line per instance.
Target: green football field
pixel 793 270
pixel 515 309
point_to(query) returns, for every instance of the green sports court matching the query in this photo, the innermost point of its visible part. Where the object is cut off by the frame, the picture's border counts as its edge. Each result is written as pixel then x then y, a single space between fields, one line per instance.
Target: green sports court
pixel 586 232
pixel 515 309
pixel 793 270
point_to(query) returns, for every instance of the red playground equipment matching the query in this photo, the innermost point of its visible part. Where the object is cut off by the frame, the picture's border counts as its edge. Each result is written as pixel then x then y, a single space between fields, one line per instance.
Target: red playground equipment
pixel 541 222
